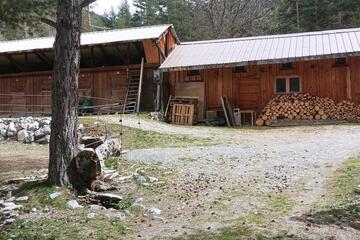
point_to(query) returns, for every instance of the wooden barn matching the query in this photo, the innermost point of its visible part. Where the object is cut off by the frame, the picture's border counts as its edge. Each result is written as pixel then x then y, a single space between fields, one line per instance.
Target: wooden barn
pixel 115 65
pixel 251 71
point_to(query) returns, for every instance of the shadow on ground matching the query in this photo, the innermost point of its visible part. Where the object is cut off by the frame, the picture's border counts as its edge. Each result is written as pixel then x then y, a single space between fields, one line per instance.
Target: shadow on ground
pixel 348 216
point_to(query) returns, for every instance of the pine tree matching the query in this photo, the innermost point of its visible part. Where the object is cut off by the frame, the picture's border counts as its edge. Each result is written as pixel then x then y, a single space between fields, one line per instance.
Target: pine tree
pixel 149 12
pixel 123 19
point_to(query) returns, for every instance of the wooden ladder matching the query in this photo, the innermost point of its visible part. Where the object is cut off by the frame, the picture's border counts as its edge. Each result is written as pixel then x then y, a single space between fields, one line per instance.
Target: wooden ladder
pixel 133 95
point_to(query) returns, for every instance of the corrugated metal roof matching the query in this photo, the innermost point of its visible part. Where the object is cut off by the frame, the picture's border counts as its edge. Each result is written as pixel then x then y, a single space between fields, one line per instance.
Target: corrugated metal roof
pixel 91 38
pixel 264 49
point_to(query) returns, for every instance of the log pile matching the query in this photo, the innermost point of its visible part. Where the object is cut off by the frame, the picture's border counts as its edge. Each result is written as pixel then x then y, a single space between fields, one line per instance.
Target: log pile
pixel 307 107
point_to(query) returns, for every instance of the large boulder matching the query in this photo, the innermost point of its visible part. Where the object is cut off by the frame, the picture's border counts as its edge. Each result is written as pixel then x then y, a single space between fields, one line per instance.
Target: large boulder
pixel 11 131
pixel 22 135
pixel 44 140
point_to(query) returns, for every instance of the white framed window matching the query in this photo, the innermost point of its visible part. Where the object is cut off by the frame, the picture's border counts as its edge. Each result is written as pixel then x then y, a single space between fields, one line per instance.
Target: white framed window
pixel 285 85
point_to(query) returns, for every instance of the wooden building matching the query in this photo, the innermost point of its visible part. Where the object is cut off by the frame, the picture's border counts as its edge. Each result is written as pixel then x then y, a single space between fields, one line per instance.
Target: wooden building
pixel 252 71
pixel 110 70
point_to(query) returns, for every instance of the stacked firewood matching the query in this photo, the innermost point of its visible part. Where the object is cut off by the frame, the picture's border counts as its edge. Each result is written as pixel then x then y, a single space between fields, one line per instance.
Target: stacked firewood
pixel 307 107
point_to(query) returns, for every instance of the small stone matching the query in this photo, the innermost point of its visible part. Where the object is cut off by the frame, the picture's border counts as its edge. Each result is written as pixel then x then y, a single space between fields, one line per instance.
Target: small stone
pixel 115 215
pixel 153 179
pixel 11 208
pixel 54 195
pixel 10 199
pixel 22 199
pixel 73 204
pixel 155 211
pixel 9 221
pixel 91 215
pixel 34 210
pixel 96 207
pixel 141 179
pixel 357 189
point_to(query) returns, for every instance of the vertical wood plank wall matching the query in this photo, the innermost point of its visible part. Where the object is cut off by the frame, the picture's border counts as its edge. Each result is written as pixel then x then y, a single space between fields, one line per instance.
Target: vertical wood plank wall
pixel 253 89
pixel 19 94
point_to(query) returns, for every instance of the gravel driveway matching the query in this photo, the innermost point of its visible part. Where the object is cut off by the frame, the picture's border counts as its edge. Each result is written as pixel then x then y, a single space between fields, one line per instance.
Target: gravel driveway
pixel 250 167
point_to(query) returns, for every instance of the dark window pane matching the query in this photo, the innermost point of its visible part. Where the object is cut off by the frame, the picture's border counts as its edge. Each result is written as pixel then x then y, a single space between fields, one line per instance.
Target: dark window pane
pixel 287 66
pixel 281 85
pixel 294 85
pixel 194 72
pixel 340 61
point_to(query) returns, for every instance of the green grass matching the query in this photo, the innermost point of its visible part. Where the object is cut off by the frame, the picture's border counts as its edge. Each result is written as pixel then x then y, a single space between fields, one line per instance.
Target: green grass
pixel 67 228
pixel 345 181
pixel 281 203
pixel 39 192
pixel 112 163
pixel 338 207
pixel 134 138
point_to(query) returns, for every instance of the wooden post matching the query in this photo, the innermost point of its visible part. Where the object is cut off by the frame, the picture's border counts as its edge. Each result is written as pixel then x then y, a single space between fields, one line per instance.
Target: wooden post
pixel 348 83
pixel 140 85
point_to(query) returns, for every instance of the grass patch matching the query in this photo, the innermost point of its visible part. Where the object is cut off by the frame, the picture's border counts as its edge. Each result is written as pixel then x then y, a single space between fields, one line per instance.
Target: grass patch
pixel 43 229
pixel 346 179
pixel 188 159
pixel 112 163
pixel 237 233
pixel 65 229
pixel 39 195
pixel 134 138
pixel 281 203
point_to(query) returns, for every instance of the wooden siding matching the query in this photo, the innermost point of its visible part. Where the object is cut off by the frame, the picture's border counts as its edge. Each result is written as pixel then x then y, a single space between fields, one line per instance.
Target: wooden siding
pixel 30 93
pixel 252 90
pixel 166 43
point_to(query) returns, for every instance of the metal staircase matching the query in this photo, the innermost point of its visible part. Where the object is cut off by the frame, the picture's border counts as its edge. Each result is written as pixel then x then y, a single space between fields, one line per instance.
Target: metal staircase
pixel 133 95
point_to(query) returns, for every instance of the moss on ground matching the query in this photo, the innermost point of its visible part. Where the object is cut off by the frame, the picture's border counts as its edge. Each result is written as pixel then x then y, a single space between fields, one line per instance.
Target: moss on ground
pixel 134 138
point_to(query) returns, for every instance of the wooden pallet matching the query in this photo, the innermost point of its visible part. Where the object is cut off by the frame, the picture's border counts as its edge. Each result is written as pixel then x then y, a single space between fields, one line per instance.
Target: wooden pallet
pixel 183 114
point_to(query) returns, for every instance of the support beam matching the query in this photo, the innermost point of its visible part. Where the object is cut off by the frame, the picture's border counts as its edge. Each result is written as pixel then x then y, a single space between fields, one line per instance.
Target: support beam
pixel 120 54
pixel 43 58
pixel 348 83
pixel 160 50
pixel 14 62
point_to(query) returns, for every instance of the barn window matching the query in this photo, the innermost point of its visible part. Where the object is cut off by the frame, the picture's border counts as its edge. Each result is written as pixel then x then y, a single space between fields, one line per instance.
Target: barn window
pixel 281 85
pixel 193 73
pixel 339 62
pixel 287 66
pixel 288 85
pixel 239 69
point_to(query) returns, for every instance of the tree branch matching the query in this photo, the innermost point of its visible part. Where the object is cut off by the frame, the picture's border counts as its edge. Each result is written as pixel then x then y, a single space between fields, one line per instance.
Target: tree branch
pixel 49 22
pixel 86 3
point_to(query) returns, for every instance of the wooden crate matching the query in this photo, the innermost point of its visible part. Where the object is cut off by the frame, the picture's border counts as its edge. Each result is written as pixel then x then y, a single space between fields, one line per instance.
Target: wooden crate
pixel 183 114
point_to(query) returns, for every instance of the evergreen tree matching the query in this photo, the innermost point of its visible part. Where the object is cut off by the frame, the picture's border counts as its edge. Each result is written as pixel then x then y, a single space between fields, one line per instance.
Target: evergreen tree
pixel 149 12
pixel 123 19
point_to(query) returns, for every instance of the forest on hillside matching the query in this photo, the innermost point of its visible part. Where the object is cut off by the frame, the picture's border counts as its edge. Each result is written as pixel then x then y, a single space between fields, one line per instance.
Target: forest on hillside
pixel 199 19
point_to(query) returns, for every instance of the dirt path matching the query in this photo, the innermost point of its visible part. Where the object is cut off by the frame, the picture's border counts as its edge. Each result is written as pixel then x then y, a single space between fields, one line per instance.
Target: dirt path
pixel 275 174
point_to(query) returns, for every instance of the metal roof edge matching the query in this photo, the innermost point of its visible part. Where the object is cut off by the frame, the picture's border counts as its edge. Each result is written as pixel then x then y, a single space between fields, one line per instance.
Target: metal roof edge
pixel 315 33
pixel 262 62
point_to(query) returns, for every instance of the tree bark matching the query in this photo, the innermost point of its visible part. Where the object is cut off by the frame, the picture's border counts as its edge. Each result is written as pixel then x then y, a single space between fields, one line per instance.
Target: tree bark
pixel 64 137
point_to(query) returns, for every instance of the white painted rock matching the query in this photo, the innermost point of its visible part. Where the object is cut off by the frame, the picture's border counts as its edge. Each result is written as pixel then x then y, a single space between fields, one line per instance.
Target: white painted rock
pixel 155 211
pixel 54 195
pixel 22 199
pixel 73 204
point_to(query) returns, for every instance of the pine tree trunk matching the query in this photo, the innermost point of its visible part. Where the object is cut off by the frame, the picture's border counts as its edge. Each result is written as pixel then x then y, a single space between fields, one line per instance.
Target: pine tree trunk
pixel 63 143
